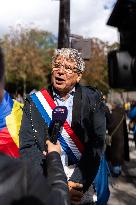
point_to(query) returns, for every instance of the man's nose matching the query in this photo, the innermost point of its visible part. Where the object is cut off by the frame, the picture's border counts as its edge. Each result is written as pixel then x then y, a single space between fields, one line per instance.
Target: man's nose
pixel 62 68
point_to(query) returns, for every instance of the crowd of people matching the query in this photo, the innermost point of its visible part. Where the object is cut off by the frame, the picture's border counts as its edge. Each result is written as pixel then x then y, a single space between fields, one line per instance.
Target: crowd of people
pixel 63 173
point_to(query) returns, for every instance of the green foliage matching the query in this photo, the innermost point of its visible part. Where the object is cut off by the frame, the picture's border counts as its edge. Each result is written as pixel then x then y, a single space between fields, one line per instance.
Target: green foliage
pixel 96 68
pixel 28 55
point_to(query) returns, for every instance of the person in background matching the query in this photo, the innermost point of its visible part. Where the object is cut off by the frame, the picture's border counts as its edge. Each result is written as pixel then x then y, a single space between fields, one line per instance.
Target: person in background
pixel 83 134
pixel 19 98
pixel 132 123
pixel 118 151
pixel 10 118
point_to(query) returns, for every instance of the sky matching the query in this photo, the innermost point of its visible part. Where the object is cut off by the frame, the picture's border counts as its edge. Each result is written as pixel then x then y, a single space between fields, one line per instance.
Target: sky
pixel 88 18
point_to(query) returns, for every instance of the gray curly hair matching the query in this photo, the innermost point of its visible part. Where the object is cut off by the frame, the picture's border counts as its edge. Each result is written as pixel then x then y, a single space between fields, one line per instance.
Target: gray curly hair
pixel 73 54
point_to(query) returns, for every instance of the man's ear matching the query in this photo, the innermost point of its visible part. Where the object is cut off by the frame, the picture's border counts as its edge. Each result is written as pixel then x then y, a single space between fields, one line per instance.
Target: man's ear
pixel 79 77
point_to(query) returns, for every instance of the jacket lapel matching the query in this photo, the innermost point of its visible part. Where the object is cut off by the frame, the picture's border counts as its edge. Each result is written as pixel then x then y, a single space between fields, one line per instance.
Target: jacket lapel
pixel 76 113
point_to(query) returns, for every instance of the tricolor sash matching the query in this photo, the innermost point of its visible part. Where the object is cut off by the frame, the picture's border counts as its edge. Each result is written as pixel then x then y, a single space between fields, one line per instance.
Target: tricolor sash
pixel 10 121
pixel 69 141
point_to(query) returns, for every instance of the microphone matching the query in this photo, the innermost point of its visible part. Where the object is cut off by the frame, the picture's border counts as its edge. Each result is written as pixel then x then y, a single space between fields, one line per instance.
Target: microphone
pixel 59 116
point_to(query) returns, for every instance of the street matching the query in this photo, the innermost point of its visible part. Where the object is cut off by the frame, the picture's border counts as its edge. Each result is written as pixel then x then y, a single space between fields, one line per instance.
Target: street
pixel 123 188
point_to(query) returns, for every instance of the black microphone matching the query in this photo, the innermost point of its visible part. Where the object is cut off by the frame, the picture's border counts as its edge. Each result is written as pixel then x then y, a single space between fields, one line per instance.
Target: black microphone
pixel 59 115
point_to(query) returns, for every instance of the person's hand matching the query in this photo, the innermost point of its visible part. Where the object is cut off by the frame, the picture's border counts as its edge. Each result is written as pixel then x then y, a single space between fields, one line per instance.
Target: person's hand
pixel 76 192
pixel 52 147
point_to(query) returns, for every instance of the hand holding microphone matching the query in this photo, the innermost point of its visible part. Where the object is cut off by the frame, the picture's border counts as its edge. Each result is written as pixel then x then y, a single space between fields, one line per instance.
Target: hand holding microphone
pixel 52 147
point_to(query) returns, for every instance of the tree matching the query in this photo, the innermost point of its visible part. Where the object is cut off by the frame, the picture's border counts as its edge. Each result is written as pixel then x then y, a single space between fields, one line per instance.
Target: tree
pixel 96 68
pixel 27 56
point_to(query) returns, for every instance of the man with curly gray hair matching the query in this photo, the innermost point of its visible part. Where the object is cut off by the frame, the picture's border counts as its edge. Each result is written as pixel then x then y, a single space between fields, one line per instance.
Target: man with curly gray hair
pixel 70 53
pixel 82 135
pixel 67 69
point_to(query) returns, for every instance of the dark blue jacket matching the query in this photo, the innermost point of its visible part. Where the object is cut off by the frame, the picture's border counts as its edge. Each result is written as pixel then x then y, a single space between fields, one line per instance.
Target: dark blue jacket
pixel 132 116
pixel 132 113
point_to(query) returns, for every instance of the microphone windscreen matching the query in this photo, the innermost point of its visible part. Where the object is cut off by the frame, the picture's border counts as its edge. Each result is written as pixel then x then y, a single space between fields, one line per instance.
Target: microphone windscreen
pixel 59 114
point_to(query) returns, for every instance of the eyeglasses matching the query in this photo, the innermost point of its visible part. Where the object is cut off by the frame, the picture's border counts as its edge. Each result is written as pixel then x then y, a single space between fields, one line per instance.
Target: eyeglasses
pixel 67 68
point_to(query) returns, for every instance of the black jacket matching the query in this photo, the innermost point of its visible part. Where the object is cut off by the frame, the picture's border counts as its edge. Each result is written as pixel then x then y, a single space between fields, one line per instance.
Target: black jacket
pixel 88 122
pixel 22 184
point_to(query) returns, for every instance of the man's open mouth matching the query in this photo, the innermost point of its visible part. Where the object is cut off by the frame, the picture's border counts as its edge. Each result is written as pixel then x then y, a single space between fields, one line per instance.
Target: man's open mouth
pixel 59 79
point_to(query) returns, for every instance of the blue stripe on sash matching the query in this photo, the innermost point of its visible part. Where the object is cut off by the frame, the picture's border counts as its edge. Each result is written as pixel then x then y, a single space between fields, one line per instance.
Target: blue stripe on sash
pixel 41 109
pixel 67 149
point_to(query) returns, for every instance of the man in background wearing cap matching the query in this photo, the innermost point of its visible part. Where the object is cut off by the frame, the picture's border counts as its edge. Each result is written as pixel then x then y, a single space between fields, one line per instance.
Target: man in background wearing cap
pixel 83 133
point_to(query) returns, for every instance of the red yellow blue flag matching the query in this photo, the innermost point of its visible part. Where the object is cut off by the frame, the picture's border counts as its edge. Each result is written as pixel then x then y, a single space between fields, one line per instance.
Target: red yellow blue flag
pixel 10 121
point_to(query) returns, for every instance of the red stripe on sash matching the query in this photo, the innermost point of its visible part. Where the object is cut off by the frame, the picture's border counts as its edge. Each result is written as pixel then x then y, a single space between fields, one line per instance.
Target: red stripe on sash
pixel 48 98
pixel 66 125
pixel 73 137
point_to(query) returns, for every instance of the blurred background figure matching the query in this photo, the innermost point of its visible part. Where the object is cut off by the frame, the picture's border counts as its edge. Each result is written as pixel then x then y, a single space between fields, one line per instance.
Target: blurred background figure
pixel 132 122
pixel 118 151
pixel 19 98
pixel 127 106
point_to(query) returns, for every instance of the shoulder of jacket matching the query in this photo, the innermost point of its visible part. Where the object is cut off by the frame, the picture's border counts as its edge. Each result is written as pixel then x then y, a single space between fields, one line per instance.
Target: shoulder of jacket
pixel 95 96
pixel 90 90
pixel 28 98
pixel 28 101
